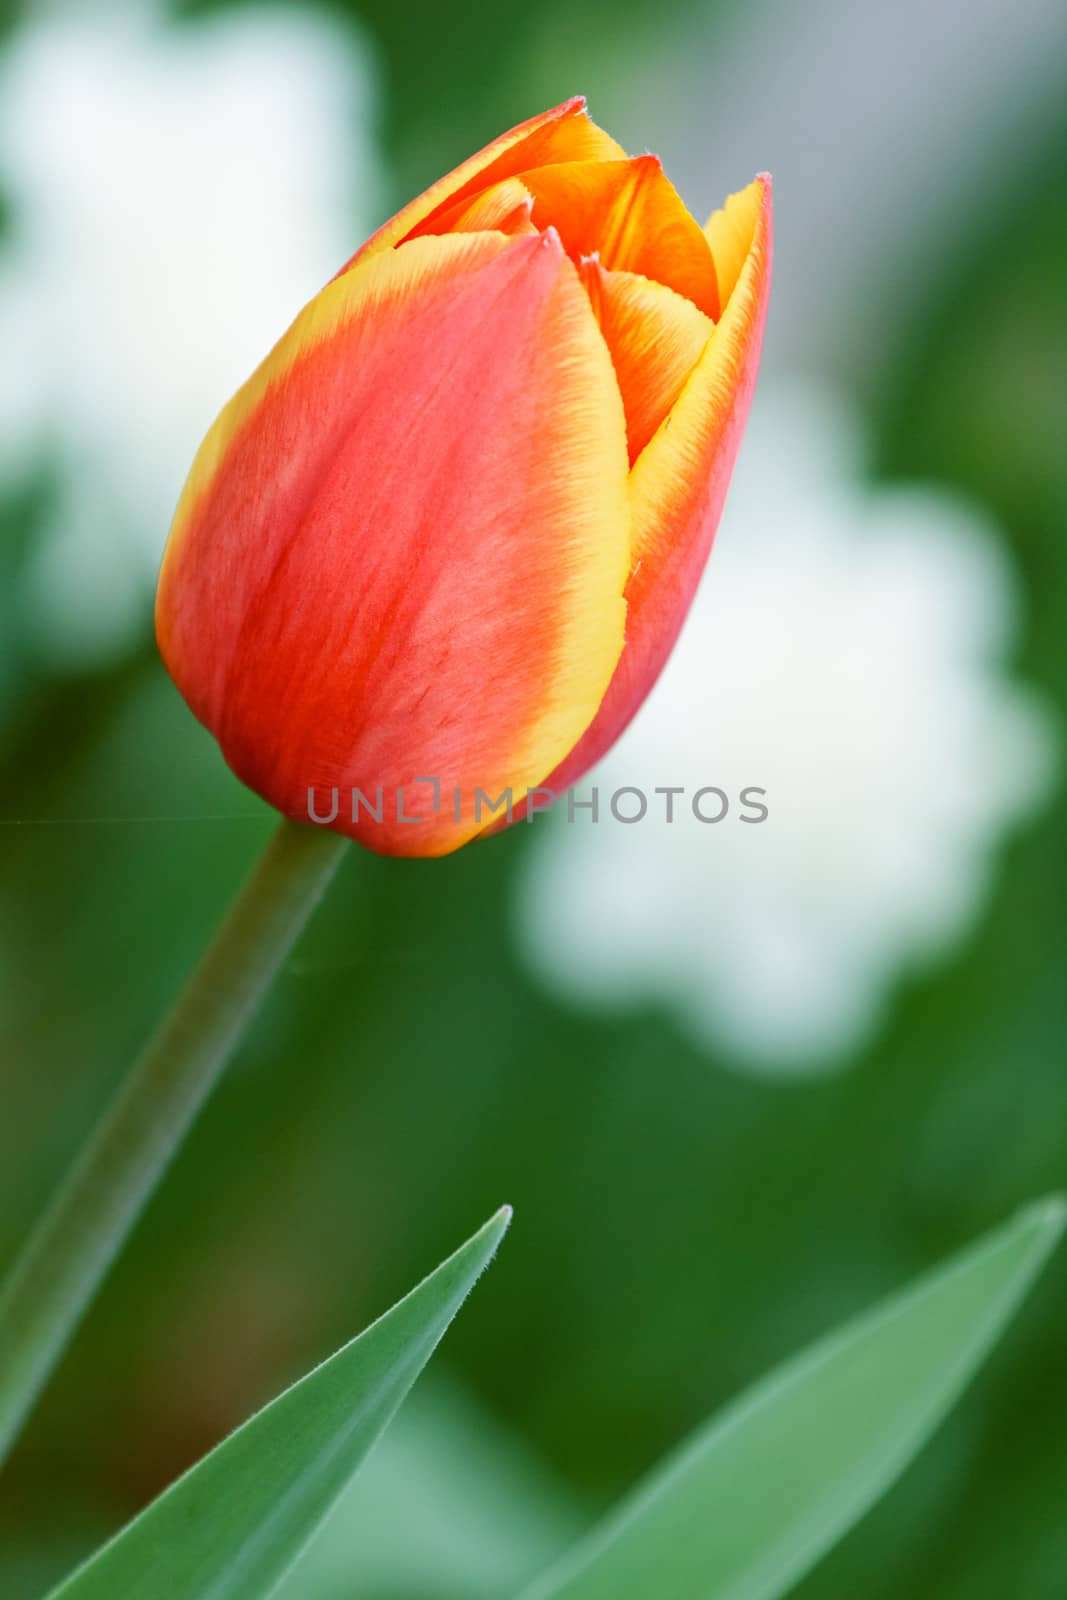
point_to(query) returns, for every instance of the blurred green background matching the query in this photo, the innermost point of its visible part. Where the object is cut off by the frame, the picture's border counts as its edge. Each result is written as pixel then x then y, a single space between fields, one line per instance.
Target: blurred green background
pixel 681 1222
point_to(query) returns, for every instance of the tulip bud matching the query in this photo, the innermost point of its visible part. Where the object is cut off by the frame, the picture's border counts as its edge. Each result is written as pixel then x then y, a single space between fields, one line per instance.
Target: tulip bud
pixel 437 549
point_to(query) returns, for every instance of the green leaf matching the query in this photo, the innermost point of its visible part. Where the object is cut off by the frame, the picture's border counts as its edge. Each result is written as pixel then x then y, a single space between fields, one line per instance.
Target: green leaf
pixel 756 1497
pixel 234 1524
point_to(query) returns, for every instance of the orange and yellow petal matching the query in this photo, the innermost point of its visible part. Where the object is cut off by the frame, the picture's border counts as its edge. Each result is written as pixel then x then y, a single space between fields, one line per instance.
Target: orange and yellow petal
pixel 656 338
pixel 506 207
pixel 729 232
pixel 629 215
pixel 566 133
pixel 402 549
pixel 679 482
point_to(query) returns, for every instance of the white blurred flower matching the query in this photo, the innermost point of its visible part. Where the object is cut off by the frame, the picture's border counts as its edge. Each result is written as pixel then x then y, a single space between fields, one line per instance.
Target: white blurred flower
pixel 845 653
pixel 177 191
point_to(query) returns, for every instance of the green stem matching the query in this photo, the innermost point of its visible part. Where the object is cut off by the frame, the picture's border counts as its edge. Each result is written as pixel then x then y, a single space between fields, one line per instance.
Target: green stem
pixel 84 1227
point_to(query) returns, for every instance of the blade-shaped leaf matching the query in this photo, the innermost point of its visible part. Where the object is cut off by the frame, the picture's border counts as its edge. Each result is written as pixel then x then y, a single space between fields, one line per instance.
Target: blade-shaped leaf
pixel 233 1525
pixel 752 1501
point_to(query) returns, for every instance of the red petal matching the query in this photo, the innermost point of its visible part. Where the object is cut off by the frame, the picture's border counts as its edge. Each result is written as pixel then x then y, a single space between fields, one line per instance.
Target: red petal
pixel 402 548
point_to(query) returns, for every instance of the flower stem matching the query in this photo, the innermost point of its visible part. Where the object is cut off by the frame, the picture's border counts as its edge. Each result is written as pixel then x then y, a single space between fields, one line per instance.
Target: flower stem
pixel 70 1250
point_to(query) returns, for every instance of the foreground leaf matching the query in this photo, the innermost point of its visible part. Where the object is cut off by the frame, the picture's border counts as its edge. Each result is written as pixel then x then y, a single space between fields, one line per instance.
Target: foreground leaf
pixel 754 1499
pixel 233 1525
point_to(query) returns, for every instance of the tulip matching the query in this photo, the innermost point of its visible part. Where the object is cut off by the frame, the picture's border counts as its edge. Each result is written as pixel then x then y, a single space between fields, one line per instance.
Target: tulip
pixel 437 549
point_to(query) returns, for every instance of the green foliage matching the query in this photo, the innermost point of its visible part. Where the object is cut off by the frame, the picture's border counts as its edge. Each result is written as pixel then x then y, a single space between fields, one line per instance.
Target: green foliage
pixel 754 1499
pixel 741 1512
pixel 232 1526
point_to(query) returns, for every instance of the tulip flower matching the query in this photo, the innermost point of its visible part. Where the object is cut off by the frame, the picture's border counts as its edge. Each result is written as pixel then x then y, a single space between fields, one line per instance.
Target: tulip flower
pixel 439 546
pixel 430 558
